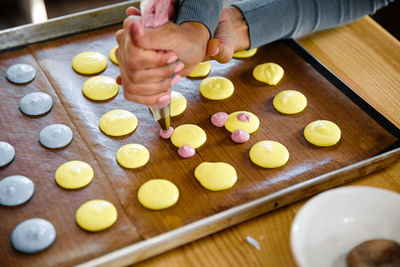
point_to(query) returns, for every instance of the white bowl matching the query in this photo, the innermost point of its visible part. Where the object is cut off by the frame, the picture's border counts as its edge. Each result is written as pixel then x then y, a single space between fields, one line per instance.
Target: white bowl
pixel 332 223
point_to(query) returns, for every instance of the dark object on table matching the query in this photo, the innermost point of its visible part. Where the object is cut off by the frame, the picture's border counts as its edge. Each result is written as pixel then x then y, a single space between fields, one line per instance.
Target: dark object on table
pixel 375 253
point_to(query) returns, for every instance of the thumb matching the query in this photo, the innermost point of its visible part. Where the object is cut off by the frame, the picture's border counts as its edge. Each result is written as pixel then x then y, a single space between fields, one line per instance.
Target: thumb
pixel 213 47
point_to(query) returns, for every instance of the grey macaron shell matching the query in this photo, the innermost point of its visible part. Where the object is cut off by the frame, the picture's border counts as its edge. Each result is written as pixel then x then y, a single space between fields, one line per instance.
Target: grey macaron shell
pixel 20 73
pixel 33 235
pixel 7 153
pixel 16 190
pixel 35 104
pixel 55 136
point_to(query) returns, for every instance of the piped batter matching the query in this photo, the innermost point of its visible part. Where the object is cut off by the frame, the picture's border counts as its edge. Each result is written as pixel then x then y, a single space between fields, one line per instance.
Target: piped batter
pixel 55 136
pixel 7 153
pixel 133 156
pixel 16 190
pixel 269 154
pixel 89 62
pixel 100 88
pixel 158 194
pixel 35 104
pixel 33 235
pixel 270 73
pixel 74 174
pixel 186 151
pixel 201 70
pixel 188 134
pixel 249 125
pixel 166 134
pixel 178 103
pixel 112 56
pixel 240 136
pixel 245 53
pixel 216 88
pixel 118 122
pixel 219 119
pixel 290 102
pixel 322 133
pixel 216 176
pixel 96 215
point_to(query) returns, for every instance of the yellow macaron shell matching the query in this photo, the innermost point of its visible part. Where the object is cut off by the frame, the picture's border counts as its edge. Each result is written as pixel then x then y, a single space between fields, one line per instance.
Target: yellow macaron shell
pixel 188 134
pixel 74 174
pixel 245 53
pixel 89 62
pixel 215 176
pixel 178 103
pixel 270 73
pixel 232 123
pixel 269 154
pixel 216 88
pixel 158 194
pixel 100 88
pixel 322 133
pixel 118 122
pixel 201 70
pixel 290 102
pixel 112 56
pixel 133 156
pixel 96 215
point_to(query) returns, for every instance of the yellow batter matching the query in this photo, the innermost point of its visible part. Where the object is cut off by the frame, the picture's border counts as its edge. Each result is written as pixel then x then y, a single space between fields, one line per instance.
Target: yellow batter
pixel 133 156
pixel 290 102
pixel 100 88
pixel 201 70
pixel 269 154
pixel 96 215
pixel 216 88
pixel 270 73
pixel 118 122
pixel 74 174
pixel 322 133
pixel 232 123
pixel 178 103
pixel 158 194
pixel 112 56
pixel 188 134
pixel 216 176
pixel 245 53
pixel 89 62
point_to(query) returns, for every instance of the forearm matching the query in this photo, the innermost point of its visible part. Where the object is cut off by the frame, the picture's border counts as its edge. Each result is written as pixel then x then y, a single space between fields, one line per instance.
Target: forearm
pixel 206 12
pixel 270 20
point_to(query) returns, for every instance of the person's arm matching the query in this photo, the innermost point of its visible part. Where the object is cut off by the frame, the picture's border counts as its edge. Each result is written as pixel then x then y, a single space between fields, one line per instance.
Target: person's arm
pixel 206 12
pixel 270 20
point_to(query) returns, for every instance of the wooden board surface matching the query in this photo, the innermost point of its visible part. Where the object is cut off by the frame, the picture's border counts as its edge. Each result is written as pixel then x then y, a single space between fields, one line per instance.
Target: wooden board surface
pixel 362 136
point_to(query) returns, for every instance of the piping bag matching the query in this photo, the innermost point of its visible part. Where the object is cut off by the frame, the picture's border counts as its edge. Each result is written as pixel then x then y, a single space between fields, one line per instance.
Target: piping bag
pixel 155 13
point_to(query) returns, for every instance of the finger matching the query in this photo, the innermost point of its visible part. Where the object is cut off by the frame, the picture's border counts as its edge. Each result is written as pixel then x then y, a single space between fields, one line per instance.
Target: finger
pixel 213 47
pixel 152 100
pixel 132 11
pixel 148 89
pixel 118 35
pixel 156 74
pixel 164 36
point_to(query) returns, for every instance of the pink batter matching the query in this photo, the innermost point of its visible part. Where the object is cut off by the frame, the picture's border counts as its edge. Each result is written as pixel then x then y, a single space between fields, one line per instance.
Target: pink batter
pixel 245 117
pixel 219 119
pixel 155 13
pixel 240 136
pixel 186 151
pixel 166 134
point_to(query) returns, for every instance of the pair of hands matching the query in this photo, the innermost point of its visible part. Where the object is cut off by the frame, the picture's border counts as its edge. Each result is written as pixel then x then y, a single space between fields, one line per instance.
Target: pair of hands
pixel 152 60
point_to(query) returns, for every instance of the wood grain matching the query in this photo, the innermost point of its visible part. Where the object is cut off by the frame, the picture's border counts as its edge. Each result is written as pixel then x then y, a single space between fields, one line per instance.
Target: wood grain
pixel 344 51
pixel 73 245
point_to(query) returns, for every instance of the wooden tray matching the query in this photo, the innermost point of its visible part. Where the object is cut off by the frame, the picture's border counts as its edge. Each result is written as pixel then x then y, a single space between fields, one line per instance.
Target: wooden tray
pixel 369 142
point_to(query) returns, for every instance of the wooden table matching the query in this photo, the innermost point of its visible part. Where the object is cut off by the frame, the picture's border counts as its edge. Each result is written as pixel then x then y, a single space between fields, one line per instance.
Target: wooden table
pixel 365 57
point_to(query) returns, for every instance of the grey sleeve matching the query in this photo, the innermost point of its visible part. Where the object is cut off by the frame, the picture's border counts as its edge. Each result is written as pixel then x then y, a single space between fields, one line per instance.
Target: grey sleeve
pixel 207 12
pixel 270 20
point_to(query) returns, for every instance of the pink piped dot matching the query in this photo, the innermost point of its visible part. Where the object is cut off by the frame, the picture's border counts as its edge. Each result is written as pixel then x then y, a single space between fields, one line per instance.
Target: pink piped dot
pixel 240 136
pixel 166 134
pixel 186 151
pixel 245 117
pixel 219 119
